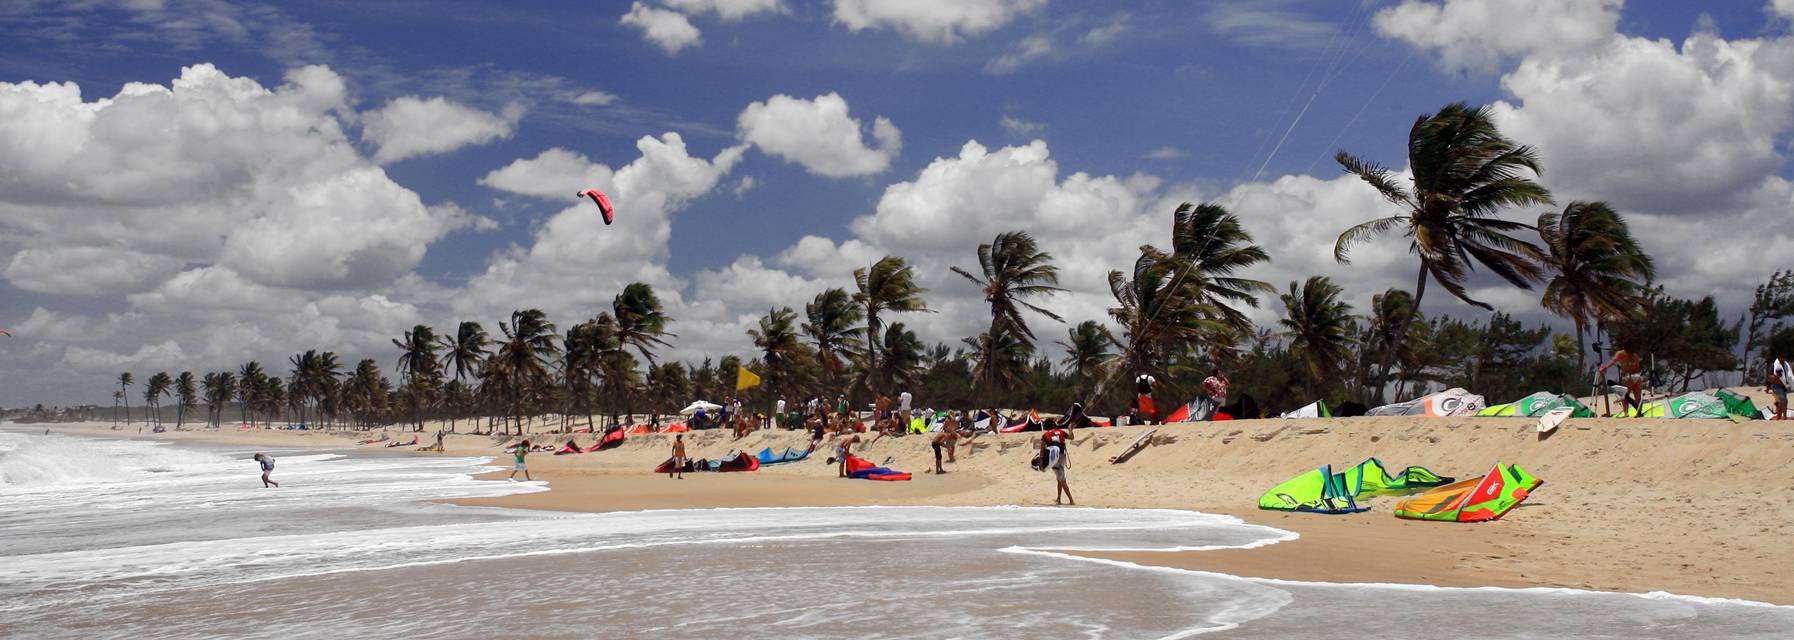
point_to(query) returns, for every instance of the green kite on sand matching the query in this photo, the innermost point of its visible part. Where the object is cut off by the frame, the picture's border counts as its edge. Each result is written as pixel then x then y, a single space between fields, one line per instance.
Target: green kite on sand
pixel 1322 491
pixel 1537 405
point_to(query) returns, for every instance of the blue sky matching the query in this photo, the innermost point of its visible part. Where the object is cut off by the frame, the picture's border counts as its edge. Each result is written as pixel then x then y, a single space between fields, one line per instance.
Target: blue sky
pixel 1152 102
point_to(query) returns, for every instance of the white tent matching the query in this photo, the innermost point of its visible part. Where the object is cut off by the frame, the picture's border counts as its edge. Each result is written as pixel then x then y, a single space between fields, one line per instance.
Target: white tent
pixel 700 406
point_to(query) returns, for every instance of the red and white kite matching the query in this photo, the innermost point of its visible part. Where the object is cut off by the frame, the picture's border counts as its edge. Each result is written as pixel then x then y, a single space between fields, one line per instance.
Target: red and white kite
pixel 603 202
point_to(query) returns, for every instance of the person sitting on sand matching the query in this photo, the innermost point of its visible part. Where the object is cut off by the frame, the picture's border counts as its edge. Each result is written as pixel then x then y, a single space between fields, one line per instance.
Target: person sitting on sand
pixel 1053 446
pixel 522 449
pixel 1215 385
pixel 816 431
pixel 678 470
pixel 1781 377
pixel 267 463
pixel 1631 375
pixel 844 448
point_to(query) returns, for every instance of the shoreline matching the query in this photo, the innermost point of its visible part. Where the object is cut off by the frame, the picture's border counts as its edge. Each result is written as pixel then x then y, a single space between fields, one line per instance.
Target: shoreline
pixel 1631 506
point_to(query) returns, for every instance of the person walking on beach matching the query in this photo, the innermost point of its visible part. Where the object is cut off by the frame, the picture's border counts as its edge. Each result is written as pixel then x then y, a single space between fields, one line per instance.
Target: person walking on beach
pixel 439 433
pixel 1053 446
pixel 946 438
pixel 521 450
pixel 267 462
pixel 678 471
pixel 1781 377
pixel 1631 375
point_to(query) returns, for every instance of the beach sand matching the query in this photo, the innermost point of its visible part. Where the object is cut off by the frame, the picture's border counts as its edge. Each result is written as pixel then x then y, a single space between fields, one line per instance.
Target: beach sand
pixel 1696 507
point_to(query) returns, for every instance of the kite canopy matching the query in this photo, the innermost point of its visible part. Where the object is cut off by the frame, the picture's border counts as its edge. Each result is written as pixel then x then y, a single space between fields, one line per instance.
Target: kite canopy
pixel 1480 499
pixel 1322 491
pixel 1539 404
pixel 1316 409
pixel 4 332
pixel 1201 409
pixel 1444 404
pixel 767 457
pixel 603 202
pixel 1696 405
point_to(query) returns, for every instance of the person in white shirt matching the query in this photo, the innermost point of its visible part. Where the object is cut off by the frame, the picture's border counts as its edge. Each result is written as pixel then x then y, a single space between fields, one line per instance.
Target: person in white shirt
pixel 903 400
pixel 1781 376
pixel 778 414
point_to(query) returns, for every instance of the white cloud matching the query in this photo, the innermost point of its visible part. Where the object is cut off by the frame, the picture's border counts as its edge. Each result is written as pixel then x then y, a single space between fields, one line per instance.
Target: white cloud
pixel 575 263
pixel 410 126
pixel 820 135
pixel 1783 8
pixel 937 21
pixel 592 98
pixel 1267 26
pixel 1106 32
pixel 670 30
pixel 744 185
pixel 555 174
pixel 728 10
pixel 1472 35
pixel 1019 127
pixel 87 271
pixel 1034 47
pixel 1164 153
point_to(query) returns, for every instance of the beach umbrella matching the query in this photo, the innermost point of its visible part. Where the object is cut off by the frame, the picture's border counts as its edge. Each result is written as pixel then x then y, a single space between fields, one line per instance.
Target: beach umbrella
pixel 699 406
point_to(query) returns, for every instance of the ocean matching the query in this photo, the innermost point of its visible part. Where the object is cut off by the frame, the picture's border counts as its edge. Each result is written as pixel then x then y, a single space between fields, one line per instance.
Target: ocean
pixel 112 538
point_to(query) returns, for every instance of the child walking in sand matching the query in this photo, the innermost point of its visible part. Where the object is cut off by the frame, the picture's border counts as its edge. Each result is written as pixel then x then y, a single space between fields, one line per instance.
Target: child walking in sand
pixel 521 450
pixel 678 457
pixel 267 462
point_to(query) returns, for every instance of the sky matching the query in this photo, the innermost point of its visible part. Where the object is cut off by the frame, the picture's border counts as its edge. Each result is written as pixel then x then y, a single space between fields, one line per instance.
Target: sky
pixel 191 184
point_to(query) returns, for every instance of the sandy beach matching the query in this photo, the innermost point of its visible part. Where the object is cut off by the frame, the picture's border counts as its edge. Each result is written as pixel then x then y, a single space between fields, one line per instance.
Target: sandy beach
pixel 1694 507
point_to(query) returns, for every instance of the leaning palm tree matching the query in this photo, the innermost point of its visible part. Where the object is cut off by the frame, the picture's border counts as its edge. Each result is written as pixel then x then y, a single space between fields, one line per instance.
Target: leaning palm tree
pixel 1013 269
pixel 1213 248
pixel 889 285
pixel 580 352
pixel 1157 314
pixel 153 391
pixel 903 357
pixel 777 340
pixel 417 363
pixel 125 380
pixel 1596 269
pixel 1087 350
pixel 463 353
pixel 1319 328
pixel 186 394
pixel 1464 173
pixel 832 329
pixel 641 323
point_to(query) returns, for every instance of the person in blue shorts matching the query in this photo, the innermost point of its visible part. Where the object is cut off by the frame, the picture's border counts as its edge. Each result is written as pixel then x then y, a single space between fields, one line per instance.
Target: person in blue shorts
pixel 267 462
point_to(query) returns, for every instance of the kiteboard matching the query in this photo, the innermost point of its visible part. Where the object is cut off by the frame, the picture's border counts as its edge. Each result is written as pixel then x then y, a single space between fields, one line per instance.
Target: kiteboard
pixel 1548 422
pixel 1138 444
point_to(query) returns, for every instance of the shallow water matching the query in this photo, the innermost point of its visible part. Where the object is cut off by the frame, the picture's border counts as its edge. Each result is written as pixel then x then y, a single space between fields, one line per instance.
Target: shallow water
pixel 114 539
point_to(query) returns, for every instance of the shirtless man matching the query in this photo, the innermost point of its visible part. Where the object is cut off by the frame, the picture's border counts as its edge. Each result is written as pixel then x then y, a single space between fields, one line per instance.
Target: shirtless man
pixel 1631 375
pixel 945 439
pixel 678 457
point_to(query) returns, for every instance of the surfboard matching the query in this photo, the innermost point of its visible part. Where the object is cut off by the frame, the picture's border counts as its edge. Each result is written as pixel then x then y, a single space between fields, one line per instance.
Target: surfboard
pixel 1138 444
pixel 1548 422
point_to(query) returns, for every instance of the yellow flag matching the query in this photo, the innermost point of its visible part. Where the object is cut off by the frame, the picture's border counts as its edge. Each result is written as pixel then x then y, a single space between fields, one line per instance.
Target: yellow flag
pixel 745 379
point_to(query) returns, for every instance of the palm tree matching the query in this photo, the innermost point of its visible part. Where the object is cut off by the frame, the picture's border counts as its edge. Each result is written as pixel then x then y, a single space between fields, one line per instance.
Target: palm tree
pixel 580 362
pixel 1596 269
pixel 888 286
pixel 1319 327
pixel 417 363
pixel 903 357
pixel 777 340
pixel 1391 310
pixel 831 328
pixel 153 391
pixel 640 321
pixel 1213 247
pixel 125 380
pixel 1087 350
pixel 520 366
pixel 365 391
pixel 1464 173
pixel 250 383
pixel 1013 269
pixel 466 351
pixel 219 389
pixel 186 395
pixel 999 360
pixel 1157 314
pixel 668 385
